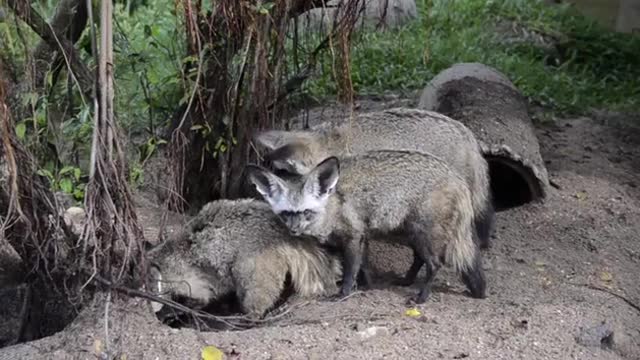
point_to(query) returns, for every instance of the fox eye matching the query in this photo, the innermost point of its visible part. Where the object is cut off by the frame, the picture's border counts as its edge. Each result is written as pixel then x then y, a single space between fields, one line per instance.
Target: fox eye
pixel 307 212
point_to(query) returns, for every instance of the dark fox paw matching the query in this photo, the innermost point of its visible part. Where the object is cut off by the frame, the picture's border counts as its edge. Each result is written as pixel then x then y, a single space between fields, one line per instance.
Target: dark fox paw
pixel 419 298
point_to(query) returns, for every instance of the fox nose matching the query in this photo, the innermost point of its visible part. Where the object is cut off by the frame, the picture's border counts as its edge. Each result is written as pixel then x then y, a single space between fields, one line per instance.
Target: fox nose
pixel 295 232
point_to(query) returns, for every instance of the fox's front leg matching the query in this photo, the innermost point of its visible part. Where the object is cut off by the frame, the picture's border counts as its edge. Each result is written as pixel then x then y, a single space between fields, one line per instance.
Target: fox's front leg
pixel 353 252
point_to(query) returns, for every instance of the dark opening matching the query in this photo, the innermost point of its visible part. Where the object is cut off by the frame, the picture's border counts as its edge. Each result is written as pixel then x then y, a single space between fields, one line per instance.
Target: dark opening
pixel 512 184
pixel 32 309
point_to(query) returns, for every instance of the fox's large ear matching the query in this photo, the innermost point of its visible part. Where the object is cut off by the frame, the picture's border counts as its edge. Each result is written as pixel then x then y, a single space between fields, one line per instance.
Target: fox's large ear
pixel 273 139
pixel 323 179
pixel 270 186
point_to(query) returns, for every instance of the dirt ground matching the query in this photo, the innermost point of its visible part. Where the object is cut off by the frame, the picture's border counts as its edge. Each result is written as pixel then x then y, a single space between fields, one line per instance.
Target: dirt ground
pixel 552 274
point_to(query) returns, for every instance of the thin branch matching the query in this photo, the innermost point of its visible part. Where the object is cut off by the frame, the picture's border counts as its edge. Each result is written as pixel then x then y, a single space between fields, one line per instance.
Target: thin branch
pixel 56 41
pixel 106 323
pixel 296 81
pixel 621 297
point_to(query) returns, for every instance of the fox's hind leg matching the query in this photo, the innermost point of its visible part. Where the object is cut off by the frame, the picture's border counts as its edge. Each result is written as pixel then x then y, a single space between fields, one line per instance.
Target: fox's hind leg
pixel 425 291
pixel 483 222
pixel 364 276
pixel 352 256
pixel 423 254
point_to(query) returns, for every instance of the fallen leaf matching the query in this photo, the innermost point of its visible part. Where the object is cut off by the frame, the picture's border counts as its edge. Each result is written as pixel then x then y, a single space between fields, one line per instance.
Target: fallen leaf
pixel 97 346
pixel 606 276
pixel 581 195
pixel 212 353
pixel 413 312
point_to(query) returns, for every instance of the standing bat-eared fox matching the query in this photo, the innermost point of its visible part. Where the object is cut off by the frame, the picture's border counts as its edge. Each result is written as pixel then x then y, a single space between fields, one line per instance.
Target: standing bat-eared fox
pixel 393 129
pixel 382 193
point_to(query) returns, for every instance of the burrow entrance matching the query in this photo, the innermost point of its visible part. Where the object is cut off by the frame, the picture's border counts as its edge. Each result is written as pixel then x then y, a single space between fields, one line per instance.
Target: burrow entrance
pixel 512 183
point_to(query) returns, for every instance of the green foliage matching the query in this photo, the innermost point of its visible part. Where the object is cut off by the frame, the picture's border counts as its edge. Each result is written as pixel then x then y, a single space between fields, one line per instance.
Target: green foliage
pixel 590 66
pixel 150 48
pixel 68 180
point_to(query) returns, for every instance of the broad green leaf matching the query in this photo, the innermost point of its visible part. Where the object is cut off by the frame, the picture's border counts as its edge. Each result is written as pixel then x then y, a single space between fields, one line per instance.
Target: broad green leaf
pixel 66 185
pixel 65 170
pixel 21 130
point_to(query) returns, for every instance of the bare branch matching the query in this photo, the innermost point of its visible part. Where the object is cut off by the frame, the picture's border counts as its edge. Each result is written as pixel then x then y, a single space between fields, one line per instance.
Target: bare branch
pixel 56 41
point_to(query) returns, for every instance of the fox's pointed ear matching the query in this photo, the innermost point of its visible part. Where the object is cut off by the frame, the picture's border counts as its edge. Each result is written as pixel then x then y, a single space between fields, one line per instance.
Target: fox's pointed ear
pixel 270 186
pixel 323 179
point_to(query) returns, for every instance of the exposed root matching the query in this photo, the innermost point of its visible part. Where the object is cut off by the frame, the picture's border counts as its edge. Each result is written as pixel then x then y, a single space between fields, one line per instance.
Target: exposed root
pixel 605 290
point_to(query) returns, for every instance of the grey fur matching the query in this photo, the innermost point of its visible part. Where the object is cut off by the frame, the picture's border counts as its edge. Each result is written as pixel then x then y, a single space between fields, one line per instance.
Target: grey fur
pixel 393 129
pixel 240 246
pixel 382 193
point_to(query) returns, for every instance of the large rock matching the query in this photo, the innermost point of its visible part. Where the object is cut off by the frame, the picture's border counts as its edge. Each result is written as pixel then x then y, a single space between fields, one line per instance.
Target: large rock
pixel 381 14
pixel 492 107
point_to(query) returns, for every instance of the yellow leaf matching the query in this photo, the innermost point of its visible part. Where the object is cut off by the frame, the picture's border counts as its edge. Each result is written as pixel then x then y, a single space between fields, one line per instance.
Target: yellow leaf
pixel 413 312
pixel 606 276
pixel 212 353
pixel 581 195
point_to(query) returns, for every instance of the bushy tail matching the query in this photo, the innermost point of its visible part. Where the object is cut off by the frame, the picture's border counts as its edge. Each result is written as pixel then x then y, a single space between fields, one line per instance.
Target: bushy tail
pixel 314 272
pixel 463 252
pixel 478 179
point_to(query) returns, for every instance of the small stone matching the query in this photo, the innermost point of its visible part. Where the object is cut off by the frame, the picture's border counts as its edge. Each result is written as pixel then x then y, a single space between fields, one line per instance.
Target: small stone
pixel 373 331
pixel 600 335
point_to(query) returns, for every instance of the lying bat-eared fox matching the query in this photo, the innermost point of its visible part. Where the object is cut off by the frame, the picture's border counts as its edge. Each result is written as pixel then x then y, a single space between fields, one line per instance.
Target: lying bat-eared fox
pixel 381 193
pixel 240 247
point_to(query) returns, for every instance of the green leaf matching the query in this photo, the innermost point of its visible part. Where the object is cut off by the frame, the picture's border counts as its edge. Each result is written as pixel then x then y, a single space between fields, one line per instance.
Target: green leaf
pixel 30 99
pixel 21 130
pixel 49 79
pixel 65 170
pixel 76 173
pixel 46 173
pixel 150 149
pixel 41 119
pixel 78 194
pixel 66 185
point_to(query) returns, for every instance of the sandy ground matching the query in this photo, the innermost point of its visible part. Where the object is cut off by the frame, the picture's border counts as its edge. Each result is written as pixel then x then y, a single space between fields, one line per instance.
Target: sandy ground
pixel 551 271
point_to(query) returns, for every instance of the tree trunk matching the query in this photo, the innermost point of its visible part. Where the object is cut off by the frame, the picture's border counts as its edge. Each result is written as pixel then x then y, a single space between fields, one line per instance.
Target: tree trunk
pixel 237 100
pixel 31 225
pixel 491 106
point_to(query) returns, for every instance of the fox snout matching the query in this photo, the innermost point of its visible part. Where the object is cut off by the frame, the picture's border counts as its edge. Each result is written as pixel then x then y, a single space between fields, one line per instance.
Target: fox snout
pixel 295 230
